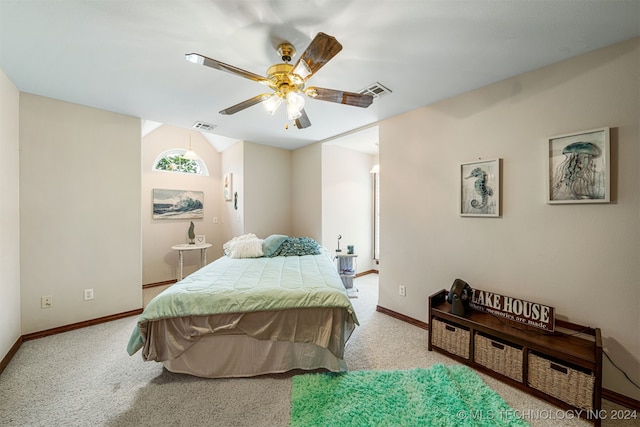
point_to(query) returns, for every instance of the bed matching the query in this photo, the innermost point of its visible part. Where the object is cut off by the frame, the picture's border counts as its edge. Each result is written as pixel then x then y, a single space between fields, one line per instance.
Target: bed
pixel 246 315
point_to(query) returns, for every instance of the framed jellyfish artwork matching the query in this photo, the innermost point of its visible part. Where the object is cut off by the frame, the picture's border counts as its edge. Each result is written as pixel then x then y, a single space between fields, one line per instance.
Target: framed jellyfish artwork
pixel 480 188
pixel 578 169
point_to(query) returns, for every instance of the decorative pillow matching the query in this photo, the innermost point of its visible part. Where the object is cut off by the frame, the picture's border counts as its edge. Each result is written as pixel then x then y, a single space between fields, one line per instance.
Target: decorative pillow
pixel 228 246
pixel 298 246
pixel 272 243
pixel 248 248
pixel 245 246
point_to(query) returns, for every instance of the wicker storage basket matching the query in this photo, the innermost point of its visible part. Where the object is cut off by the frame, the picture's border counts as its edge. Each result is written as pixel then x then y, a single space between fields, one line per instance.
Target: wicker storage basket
pixel 453 339
pixel 563 382
pixel 499 357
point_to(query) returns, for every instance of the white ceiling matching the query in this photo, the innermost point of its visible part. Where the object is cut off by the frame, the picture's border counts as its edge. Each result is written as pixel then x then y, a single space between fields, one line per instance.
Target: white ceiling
pixel 127 56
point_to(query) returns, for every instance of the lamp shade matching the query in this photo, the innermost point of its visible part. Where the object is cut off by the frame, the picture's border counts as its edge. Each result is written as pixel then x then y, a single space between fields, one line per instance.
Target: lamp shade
pixel 272 103
pixel 302 70
pixel 190 155
pixel 295 104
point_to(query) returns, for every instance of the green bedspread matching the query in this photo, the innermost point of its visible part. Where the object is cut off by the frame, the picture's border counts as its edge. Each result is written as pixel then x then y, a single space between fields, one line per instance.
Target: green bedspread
pixel 246 285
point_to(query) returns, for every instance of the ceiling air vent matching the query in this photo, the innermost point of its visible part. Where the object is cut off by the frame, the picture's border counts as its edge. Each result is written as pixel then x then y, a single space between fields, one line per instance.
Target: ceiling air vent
pixel 205 127
pixel 376 90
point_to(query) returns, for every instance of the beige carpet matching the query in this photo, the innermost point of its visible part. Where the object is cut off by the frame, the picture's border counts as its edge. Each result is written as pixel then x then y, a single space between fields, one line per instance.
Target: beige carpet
pixel 86 378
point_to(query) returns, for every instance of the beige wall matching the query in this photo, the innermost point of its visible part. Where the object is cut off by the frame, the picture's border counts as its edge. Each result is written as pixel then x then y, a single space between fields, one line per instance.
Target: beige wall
pixel 582 259
pixel 9 216
pixel 79 212
pixel 267 190
pixel 160 263
pixel 347 202
pixel 306 192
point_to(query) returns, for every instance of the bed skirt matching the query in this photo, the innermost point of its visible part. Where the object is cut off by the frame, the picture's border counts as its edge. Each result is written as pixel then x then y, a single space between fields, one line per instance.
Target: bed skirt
pixel 230 356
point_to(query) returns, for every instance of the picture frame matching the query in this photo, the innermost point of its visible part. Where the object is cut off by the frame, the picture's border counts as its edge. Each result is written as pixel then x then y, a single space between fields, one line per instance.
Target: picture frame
pixel 228 186
pixel 578 167
pixel 201 239
pixel 480 188
pixel 177 204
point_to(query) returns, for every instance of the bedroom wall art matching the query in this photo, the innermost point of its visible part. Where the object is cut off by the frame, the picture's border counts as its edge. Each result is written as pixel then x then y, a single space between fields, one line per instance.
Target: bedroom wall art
pixel 228 186
pixel 578 169
pixel 191 233
pixel 480 188
pixel 177 204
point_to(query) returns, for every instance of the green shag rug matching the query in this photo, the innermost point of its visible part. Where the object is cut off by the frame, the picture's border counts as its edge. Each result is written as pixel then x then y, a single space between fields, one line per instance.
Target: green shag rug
pixel 438 396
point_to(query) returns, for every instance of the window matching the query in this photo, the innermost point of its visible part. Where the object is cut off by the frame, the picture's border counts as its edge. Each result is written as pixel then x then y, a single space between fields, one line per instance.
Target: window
pixel 173 161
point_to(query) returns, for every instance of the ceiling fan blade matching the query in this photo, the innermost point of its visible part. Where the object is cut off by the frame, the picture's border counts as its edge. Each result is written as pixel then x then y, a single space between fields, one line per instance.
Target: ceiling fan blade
pixel 321 49
pixel 303 121
pixel 340 96
pixel 244 104
pixel 196 58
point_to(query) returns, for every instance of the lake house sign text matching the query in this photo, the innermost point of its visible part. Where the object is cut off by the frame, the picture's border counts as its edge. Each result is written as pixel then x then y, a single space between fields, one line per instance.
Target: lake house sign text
pixel 529 313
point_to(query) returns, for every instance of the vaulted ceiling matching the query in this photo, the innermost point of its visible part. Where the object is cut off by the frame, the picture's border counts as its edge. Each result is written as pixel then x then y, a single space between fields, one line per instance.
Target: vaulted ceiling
pixel 129 56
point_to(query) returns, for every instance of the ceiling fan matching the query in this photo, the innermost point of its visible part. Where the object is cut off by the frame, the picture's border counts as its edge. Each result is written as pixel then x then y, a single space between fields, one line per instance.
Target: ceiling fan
pixel 288 81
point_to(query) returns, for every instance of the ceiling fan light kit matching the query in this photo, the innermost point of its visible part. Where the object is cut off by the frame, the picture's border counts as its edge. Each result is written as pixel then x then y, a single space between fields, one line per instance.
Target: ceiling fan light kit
pixel 288 81
pixel 295 104
pixel 272 102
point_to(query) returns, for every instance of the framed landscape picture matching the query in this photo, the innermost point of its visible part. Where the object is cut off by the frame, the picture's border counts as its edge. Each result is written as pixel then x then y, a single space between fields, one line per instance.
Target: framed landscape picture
pixel 578 168
pixel 480 188
pixel 177 204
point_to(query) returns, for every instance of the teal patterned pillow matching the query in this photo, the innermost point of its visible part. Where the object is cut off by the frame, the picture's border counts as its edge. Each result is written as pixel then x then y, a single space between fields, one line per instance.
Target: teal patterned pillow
pixel 271 244
pixel 298 246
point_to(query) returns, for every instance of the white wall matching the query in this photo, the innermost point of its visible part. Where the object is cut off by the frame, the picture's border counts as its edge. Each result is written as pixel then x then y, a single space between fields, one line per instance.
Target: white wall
pixel 267 190
pixel 159 262
pixel 9 216
pixel 306 192
pixel 347 202
pixel 582 259
pixel 79 212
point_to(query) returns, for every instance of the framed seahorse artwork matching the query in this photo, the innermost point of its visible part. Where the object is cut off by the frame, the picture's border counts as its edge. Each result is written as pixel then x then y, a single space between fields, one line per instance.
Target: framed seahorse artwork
pixel 480 188
pixel 578 168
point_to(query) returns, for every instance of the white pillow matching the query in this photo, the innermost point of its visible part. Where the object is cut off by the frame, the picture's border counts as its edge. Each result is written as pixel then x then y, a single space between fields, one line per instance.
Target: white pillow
pixel 228 247
pixel 245 246
pixel 249 248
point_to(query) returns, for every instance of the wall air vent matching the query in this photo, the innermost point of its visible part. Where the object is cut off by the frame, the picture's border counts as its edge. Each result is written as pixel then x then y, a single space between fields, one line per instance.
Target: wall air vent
pixel 202 126
pixel 376 90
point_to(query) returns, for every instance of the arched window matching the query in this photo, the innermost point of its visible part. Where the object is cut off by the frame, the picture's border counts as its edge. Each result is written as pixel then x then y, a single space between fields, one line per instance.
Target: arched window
pixel 173 161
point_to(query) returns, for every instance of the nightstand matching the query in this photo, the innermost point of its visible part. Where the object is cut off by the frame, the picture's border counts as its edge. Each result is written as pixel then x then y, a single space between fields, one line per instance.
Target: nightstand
pixel 347 269
pixel 187 247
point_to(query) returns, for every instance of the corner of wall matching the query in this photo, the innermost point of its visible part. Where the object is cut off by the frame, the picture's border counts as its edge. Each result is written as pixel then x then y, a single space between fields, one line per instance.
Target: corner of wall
pixel 10 310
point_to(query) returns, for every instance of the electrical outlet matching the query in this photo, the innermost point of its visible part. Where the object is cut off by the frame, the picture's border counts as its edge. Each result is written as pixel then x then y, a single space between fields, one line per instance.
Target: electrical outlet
pixel 46 302
pixel 215 219
pixel 402 290
pixel 88 294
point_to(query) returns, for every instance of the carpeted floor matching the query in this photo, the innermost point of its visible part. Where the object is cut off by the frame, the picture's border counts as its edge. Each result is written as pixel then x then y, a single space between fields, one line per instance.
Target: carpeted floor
pixel 85 378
